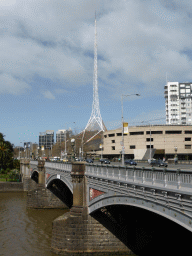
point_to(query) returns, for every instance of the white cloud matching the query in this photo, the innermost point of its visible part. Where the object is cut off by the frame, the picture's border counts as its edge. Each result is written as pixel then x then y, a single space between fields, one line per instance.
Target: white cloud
pixel 48 95
pixel 12 85
pixel 139 41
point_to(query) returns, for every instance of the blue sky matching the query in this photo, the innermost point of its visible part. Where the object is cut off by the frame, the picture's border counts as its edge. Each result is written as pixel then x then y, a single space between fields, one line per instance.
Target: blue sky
pixel 46 64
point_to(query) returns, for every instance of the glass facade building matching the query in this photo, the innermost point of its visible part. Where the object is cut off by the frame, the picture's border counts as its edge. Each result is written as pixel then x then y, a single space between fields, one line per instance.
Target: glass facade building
pixel 46 139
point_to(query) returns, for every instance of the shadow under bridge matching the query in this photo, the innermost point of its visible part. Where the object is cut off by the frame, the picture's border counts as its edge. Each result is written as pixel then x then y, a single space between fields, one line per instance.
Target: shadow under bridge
pixel 61 187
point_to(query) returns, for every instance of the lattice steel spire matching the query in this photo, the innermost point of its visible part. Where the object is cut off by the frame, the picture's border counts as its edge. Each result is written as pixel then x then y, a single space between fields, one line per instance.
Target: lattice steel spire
pixel 95 122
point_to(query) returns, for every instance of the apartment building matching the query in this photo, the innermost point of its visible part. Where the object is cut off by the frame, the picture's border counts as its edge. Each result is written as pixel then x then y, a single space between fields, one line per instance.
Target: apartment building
pixel 60 135
pixel 178 103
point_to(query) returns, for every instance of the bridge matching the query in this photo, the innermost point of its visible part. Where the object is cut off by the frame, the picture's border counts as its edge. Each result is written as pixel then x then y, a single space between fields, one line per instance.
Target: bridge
pixel 139 206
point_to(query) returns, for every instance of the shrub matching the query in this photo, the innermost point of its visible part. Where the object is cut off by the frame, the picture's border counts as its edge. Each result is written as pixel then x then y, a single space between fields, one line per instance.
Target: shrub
pixel 3 171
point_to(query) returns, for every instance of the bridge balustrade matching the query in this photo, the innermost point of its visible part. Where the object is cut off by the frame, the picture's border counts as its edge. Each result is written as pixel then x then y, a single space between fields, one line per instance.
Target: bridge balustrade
pixel 59 166
pixel 34 162
pixel 178 179
pixel 173 179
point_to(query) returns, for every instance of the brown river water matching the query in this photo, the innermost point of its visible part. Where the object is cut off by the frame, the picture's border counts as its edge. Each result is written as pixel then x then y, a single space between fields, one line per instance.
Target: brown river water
pixel 25 232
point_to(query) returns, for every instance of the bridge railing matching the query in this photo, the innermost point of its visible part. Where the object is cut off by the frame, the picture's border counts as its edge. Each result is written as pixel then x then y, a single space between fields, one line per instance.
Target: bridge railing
pixel 59 166
pixel 54 165
pixel 175 179
pixel 35 163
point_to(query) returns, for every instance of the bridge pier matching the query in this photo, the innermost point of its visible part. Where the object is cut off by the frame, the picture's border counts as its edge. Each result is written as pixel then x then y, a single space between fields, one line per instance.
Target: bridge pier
pixel 25 173
pixel 76 232
pixel 38 195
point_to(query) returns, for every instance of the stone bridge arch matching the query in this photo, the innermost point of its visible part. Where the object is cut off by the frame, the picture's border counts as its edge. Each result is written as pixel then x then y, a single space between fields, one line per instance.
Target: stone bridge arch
pixel 147 228
pixel 163 209
pixel 35 174
pixel 61 187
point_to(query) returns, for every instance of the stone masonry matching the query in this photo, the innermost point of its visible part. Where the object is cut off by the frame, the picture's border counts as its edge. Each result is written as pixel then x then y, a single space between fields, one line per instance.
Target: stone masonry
pixel 41 197
pixel 74 235
pixel 38 195
pixel 76 232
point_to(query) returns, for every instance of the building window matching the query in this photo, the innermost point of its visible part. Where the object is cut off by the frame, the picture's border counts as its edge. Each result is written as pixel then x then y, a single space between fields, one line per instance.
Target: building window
pixel 173 132
pixel 111 135
pixel 148 146
pixel 187 139
pixel 148 139
pixel 136 133
pixel 132 146
pixel 119 134
pixel 154 132
pixel 188 132
pixel 113 141
pixel 113 147
pixel 105 136
pixel 187 146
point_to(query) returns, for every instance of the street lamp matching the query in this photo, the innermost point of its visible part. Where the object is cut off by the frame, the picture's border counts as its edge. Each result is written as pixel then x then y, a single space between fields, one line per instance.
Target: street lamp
pixel 66 137
pixel 150 140
pixel 20 150
pixel 123 148
pixel 72 145
pixel 176 159
pixel 175 148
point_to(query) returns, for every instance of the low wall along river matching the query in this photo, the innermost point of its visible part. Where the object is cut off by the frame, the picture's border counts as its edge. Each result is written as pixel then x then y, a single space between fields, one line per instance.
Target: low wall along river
pixel 11 186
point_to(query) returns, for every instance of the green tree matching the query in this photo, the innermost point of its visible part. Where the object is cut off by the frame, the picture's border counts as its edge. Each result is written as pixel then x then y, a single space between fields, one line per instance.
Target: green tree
pixel 16 164
pixel 1 136
pixel 6 153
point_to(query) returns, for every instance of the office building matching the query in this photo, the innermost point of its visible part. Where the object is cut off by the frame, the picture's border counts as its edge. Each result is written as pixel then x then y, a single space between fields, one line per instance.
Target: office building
pixel 28 145
pixel 178 103
pixel 46 139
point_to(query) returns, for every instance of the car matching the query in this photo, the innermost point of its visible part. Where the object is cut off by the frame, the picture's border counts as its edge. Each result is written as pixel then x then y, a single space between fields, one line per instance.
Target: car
pixel 130 162
pixel 90 161
pixel 80 159
pixel 104 161
pixel 158 163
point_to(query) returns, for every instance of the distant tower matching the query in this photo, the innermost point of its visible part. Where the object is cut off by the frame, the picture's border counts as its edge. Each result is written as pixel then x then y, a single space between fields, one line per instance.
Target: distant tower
pixel 95 122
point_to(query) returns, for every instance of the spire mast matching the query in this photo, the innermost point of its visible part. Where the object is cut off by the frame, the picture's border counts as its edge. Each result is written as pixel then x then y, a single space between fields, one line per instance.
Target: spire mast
pixel 95 122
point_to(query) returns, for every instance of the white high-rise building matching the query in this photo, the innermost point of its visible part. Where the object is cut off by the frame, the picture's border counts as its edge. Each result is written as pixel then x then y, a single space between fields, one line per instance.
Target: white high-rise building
pixel 178 103
pixel 60 135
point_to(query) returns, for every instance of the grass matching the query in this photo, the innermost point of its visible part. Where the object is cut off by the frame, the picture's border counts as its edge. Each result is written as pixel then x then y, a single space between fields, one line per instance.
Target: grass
pixel 9 177
pixel 8 180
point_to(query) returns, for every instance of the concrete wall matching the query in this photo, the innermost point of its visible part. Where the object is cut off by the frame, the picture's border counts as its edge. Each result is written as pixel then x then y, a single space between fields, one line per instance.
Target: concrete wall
pixel 11 186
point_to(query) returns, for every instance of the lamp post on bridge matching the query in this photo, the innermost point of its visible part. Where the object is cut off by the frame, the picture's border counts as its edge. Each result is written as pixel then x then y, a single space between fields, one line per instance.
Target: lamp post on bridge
pixel 72 145
pixel 122 143
pixel 66 138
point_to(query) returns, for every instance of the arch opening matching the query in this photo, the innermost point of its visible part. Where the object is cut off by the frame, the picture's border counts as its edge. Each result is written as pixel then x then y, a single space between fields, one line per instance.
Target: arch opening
pixel 61 190
pixel 35 176
pixel 143 231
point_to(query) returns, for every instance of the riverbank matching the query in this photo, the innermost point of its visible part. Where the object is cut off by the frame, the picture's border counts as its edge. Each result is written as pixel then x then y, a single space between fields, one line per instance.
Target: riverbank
pixel 11 186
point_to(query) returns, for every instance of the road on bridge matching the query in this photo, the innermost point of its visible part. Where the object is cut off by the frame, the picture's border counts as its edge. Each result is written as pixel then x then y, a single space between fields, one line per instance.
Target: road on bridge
pixel 170 166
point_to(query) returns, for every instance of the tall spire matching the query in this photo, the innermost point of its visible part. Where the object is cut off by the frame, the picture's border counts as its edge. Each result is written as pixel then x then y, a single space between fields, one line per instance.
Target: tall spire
pixel 95 121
